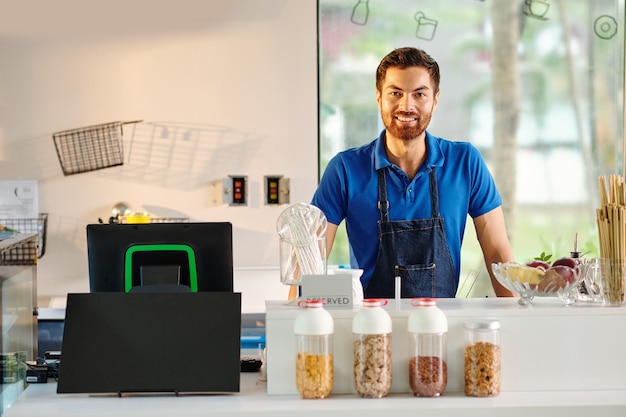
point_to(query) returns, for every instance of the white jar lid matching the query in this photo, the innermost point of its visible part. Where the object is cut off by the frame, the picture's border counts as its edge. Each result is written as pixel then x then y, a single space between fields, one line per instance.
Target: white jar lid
pixel 372 318
pixel 427 317
pixel 314 319
pixel 482 325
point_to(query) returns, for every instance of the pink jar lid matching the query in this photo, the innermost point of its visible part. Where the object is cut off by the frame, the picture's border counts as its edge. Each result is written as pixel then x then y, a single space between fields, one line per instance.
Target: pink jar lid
pixel 375 302
pixel 422 301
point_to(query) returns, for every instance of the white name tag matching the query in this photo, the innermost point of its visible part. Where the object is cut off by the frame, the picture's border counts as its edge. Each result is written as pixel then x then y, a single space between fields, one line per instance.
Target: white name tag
pixel 335 290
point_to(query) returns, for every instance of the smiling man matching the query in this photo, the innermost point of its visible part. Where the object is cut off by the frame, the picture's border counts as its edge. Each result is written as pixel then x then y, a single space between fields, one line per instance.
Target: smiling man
pixel 406 195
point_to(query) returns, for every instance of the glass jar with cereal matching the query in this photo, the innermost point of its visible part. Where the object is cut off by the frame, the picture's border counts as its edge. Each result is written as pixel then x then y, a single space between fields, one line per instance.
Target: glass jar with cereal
pixel 482 358
pixel 371 339
pixel 427 327
pixel 314 328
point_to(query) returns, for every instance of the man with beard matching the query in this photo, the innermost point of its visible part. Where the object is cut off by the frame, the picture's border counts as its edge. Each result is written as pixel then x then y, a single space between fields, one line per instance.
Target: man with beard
pixel 406 195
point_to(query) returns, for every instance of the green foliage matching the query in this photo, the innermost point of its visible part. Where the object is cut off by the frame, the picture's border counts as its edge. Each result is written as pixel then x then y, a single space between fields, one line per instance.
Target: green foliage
pixel 545 257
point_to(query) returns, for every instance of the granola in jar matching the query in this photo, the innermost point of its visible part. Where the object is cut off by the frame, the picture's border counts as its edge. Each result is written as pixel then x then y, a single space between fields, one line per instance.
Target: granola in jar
pixel 482 369
pixel 372 365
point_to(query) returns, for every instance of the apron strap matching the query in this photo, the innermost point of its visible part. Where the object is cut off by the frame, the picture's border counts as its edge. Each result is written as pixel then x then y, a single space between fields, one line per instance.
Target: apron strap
pixel 383 203
pixel 434 192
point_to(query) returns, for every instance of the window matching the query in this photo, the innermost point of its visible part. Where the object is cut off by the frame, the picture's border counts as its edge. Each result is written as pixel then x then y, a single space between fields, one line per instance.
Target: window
pixel 558 125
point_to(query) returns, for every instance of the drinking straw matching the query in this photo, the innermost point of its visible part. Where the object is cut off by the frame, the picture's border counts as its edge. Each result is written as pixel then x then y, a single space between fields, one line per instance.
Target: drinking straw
pixel 611 221
pixel 305 244
pixel 302 226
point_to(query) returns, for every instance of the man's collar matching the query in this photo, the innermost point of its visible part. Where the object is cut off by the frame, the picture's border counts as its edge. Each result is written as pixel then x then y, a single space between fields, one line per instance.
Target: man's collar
pixel 434 156
pixel 380 156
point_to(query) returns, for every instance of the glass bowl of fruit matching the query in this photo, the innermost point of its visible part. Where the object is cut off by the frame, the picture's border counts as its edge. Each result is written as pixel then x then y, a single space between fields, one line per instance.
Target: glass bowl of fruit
pixel 540 279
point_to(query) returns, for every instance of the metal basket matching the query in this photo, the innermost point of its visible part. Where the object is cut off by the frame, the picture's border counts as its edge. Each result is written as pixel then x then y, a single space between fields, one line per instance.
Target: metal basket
pixel 90 148
pixel 23 252
pixel 38 225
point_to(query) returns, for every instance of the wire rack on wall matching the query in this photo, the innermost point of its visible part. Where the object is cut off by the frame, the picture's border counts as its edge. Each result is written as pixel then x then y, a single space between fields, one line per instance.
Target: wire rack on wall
pixel 183 155
pixel 30 225
pixel 90 148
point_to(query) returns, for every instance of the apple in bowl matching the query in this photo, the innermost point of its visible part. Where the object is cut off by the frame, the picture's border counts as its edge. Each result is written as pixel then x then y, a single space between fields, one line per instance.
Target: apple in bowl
pixel 543 265
pixel 558 277
pixel 567 261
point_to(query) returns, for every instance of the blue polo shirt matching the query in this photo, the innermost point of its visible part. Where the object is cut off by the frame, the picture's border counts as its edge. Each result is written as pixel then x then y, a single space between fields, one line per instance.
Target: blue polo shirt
pixel 348 191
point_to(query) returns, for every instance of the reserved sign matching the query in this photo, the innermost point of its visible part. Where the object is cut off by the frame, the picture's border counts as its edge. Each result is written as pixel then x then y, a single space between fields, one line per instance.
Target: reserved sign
pixel 335 290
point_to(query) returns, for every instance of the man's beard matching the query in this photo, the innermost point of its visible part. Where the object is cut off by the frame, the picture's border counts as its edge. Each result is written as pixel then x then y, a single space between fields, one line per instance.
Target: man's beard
pixel 407 133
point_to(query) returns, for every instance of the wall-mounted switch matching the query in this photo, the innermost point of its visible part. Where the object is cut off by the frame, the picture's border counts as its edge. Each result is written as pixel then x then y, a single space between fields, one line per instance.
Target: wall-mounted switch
pixel 239 190
pixel 276 189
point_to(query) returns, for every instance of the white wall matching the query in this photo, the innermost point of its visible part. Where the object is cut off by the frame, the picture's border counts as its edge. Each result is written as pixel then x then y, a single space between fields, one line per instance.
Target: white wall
pixel 248 66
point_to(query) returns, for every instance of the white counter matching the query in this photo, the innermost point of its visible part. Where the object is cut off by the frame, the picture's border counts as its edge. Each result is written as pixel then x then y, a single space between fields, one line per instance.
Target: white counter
pixel 42 401
pixel 546 346
pixel 556 361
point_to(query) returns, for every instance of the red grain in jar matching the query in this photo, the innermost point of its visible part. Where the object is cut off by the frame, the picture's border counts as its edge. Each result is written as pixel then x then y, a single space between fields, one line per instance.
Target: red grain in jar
pixel 427 327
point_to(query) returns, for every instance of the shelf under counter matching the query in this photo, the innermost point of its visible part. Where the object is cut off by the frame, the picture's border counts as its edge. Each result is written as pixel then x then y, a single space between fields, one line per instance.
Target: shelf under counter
pixel 41 400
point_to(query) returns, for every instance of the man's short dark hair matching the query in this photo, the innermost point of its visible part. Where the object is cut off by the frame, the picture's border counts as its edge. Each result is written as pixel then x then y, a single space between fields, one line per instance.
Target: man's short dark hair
pixel 404 58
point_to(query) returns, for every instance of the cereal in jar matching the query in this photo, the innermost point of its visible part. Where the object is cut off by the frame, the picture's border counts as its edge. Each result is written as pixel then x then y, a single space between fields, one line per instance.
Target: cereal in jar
pixel 482 360
pixel 314 375
pixel 372 365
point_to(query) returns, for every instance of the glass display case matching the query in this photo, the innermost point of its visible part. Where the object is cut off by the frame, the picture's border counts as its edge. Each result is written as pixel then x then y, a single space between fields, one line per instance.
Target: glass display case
pixel 18 276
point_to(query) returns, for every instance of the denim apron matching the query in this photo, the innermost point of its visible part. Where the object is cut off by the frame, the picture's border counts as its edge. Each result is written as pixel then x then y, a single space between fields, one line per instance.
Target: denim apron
pixel 415 250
